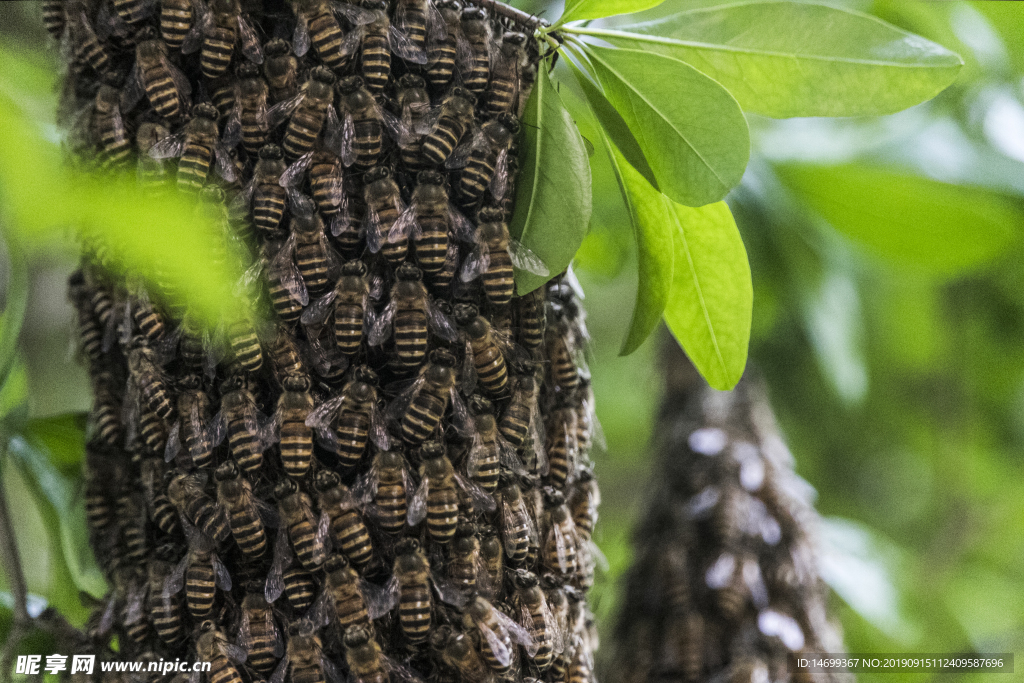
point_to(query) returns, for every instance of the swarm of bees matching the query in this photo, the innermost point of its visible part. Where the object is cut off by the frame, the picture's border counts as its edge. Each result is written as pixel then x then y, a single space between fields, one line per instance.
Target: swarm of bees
pixel 389 480
pixel 725 587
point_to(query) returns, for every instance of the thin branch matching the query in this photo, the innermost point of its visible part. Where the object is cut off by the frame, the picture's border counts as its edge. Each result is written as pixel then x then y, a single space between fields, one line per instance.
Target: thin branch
pixel 529 21
pixel 15 577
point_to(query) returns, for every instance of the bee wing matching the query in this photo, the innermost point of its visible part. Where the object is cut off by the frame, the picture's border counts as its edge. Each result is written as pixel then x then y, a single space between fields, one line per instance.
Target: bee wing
pixel 460 226
pixel 323 611
pixel 507 455
pixel 399 129
pixel 282 560
pixel 218 428
pixel 225 166
pixel 554 627
pixel 517 633
pixel 379 599
pixel 524 259
pixel 499 181
pixel 562 543
pixel 251 47
pixel 171 146
pixel 378 428
pixel 233 652
pixel 365 487
pixel 437 27
pixel 469 378
pixel 449 592
pixel 109 612
pixel 283 109
pixel 357 15
pixel 332 128
pixel 352 41
pixel 292 176
pixel 300 38
pixel 181 84
pixel 476 453
pixel 322 416
pixel 499 648
pixel 381 328
pixel 331 673
pixel 233 127
pixel 346 150
pixel 266 513
pixel 476 263
pixel 510 519
pixel 405 48
pixel 283 264
pixel 173 446
pixel 280 671
pixel 460 155
pixel 244 634
pixel 372 228
pixel 460 414
pixel 537 439
pixel 320 309
pixel 418 504
pixel 405 225
pixel 481 499
pixel 134 605
pixel 175 581
pixel 323 538
pixel 220 573
pixel 441 324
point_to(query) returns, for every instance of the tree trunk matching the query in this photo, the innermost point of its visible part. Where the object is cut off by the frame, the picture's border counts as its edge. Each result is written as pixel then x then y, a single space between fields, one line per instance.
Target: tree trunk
pixel 725 583
pixel 310 499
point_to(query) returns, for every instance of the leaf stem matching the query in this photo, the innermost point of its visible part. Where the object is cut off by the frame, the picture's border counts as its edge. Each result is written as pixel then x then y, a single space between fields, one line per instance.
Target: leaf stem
pixel 11 560
pixel 520 17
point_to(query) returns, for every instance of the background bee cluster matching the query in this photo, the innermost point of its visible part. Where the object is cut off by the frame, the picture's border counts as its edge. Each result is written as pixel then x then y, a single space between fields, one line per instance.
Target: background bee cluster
pixel 389 480
pixel 726 584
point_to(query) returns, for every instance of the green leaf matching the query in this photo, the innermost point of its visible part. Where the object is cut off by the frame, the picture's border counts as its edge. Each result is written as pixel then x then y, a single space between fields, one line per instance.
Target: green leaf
pixel 712 295
pixel 15 302
pixel 613 125
pixel 649 211
pixel 794 59
pixel 668 105
pixel 597 9
pixel 942 228
pixel 14 396
pixel 553 193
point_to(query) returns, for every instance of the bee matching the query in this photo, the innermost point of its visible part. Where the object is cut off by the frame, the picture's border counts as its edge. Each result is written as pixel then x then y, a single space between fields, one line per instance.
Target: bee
pixel 284 355
pixel 348 300
pixel 164 85
pixel 356 417
pixel 530 318
pixel 411 313
pixel 413 103
pixel 346 599
pixel 258 633
pixel 165 613
pixel 326 181
pixel 580 669
pixel 305 657
pixel 105 416
pixel 90 334
pixel 499 634
pixel 306 248
pixel 348 530
pixel 411 22
pixel 293 407
pixel 383 208
pixel 517 525
pixel 429 219
pixel 485 159
pixel 492 556
pixel 161 510
pixel 281 70
pixel 436 498
pixel 307 533
pixel 265 192
pixel 476 66
pixel 130 12
pixel 505 74
pixel 307 111
pixel 378 40
pixel 559 552
pixel 411 581
pixel 318 26
pixel 242 422
pixel 54 17
pixel 176 20
pixel 588 428
pixel 215 32
pixel 146 381
pixel 198 146
pixel 494 255
pixel 387 485
pixel 583 503
pixel 132 515
pixel 364 657
pixel 521 421
pixel 362 128
pixel 245 344
pixel 562 352
pixel 426 401
pixel 489 451
pixel 201 573
pixel 465 565
pixel 454 118
pixel 213 646
pixel 444 39
pixel 107 124
pixel 248 119
pixel 234 493
pixel 562 447
pixel 185 491
pixel 486 349
pixel 88 50
pixel 147 318
pixel 507 203
pixel 192 429
pixel 299 587
pixel 537 619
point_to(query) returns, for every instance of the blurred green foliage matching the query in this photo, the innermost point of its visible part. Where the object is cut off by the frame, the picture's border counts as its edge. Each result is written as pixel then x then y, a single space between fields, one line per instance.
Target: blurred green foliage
pixel 898 383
